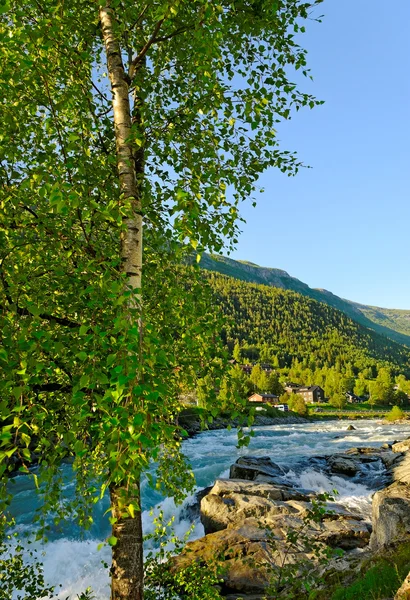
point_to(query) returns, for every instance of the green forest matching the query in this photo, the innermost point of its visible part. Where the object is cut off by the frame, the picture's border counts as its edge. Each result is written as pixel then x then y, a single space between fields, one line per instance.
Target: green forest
pixel 391 323
pixel 282 326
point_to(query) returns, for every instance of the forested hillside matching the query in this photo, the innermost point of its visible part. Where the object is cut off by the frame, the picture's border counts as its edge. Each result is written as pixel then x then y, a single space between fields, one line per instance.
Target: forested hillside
pixel 283 327
pixel 394 324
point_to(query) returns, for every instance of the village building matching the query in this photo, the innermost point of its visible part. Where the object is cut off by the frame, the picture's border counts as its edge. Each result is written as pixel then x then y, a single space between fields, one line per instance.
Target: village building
pixel 312 393
pixel 264 398
pixel 264 366
pixel 291 388
pixel 352 398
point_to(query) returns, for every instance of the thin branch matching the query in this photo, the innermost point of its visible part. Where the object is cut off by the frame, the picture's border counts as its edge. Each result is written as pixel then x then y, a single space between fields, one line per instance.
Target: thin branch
pixel 178 31
pixel 52 387
pixel 138 59
pixel 140 16
pixel 30 210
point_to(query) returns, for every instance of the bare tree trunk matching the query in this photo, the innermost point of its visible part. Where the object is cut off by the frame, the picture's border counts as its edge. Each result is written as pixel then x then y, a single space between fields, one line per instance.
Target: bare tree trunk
pixel 127 571
pixel 127 582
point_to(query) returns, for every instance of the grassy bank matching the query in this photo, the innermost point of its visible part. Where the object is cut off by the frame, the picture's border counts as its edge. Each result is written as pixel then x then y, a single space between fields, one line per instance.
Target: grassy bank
pixel 378 578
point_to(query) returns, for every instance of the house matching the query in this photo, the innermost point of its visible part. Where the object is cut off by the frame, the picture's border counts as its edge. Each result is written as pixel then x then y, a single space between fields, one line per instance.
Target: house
pixel 352 398
pixel 291 388
pixel 264 366
pixel 312 393
pixel 264 398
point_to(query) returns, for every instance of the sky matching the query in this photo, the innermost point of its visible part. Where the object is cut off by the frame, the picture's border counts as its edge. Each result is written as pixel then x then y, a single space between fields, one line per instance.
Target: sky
pixel 344 224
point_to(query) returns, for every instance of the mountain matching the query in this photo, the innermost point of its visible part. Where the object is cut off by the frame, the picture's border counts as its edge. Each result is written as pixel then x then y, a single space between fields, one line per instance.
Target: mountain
pixel 288 328
pixel 392 323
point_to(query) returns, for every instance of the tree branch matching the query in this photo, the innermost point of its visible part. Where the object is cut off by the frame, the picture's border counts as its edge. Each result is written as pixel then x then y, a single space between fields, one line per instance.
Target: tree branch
pixel 138 59
pixel 52 387
pixel 178 31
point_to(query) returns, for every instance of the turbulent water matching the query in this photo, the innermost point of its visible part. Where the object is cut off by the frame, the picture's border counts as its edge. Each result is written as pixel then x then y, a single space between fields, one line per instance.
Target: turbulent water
pixel 74 562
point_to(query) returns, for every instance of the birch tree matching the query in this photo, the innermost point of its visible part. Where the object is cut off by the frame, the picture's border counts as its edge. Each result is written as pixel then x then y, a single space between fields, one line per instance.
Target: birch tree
pixel 119 116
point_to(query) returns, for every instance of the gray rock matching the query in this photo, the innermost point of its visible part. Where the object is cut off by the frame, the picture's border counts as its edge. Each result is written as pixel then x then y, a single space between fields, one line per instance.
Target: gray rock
pixel 234 500
pixel 249 467
pixel 346 465
pixel 351 428
pixel 390 515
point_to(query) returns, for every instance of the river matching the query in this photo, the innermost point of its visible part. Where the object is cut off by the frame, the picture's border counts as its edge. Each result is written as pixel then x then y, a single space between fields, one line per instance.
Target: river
pixel 73 561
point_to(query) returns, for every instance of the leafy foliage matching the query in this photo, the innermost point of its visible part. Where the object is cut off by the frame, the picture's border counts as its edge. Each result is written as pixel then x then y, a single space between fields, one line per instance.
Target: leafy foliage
pixel 163 582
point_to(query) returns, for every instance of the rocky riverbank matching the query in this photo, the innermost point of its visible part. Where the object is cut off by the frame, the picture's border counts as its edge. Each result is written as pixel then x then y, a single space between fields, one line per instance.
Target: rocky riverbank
pixel 260 527
pixel 193 425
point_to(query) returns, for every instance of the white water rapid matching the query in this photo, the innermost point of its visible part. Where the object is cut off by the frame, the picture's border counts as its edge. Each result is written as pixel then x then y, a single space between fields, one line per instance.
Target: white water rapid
pixel 74 563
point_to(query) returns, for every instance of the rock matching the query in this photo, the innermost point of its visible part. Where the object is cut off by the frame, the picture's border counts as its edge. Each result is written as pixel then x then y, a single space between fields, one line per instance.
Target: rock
pixel 218 512
pixel 191 510
pixel 351 428
pixel 232 501
pixel 389 458
pixel 390 515
pixel 244 555
pixel 401 468
pixel 344 533
pixel 343 464
pixel 404 592
pixel 363 450
pixel 402 446
pixel 386 446
pixel 249 467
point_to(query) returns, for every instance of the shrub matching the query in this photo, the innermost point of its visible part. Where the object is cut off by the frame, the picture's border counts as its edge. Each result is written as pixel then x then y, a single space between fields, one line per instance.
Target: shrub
pixel 298 405
pixel 396 414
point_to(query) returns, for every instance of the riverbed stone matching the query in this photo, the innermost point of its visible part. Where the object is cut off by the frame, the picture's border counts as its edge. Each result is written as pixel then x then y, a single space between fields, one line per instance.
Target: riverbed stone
pixel 390 515
pixel 249 467
pixel 343 464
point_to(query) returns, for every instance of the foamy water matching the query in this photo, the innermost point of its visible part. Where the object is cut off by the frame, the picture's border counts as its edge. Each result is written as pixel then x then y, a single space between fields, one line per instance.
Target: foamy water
pixel 76 563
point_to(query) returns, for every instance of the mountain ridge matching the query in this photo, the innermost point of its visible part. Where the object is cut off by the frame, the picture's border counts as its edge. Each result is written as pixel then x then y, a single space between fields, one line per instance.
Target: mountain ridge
pixel 391 323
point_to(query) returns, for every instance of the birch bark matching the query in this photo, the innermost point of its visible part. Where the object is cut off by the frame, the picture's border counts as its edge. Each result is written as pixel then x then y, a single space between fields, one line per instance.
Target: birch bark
pixel 127 570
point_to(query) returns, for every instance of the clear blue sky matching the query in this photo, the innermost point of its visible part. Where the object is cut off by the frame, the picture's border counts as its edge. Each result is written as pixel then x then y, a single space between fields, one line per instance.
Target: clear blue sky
pixel 344 224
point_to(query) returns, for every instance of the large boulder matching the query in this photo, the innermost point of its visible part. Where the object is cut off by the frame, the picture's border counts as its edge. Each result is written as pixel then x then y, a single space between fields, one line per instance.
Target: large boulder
pixel 402 446
pixel 249 553
pixel 343 464
pixel 233 500
pixel 249 467
pixel 244 555
pixel 390 515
